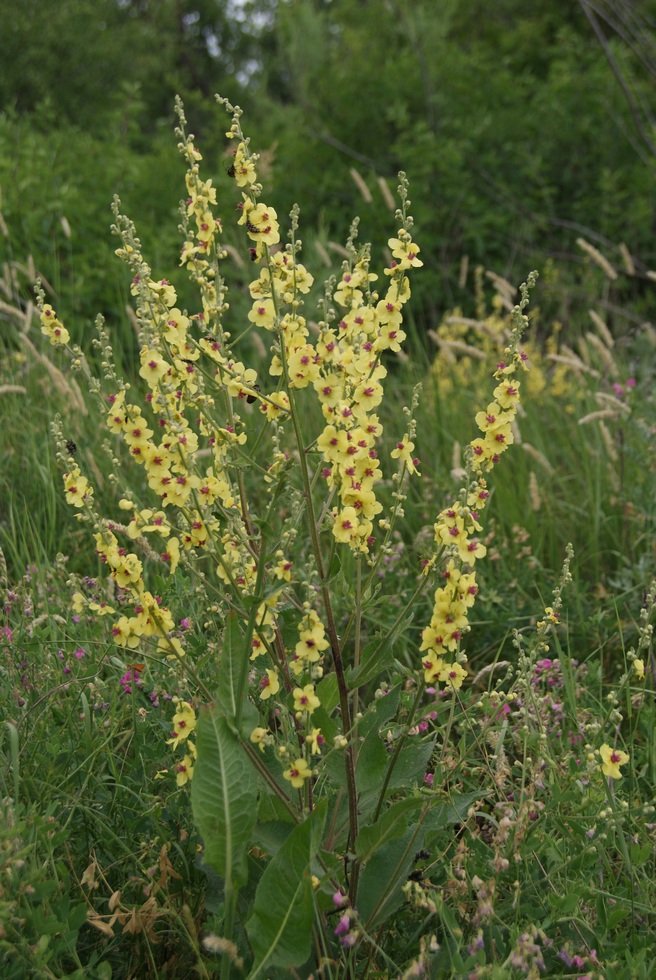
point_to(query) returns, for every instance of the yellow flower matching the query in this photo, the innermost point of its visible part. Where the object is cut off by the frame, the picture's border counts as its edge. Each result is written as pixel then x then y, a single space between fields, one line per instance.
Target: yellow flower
pixel 269 685
pixel 405 252
pixel 153 366
pixel 262 225
pixel 297 773
pixel 315 740
pixel 79 602
pixel 184 722
pixel 185 770
pixel 639 667
pixel 345 527
pixel 403 451
pixel 612 759
pixel 172 554
pixel 77 488
pixel 171 646
pixel 453 675
pixel 258 737
pixel 432 664
pixel 52 327
pixel 305 699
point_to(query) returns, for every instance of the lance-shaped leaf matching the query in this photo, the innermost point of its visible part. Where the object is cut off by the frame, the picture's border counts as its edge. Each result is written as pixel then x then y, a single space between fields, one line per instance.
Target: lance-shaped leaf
pixel 280 927
pixel 389 827
pixel 381 883
pixel 232 688
pixel 223 797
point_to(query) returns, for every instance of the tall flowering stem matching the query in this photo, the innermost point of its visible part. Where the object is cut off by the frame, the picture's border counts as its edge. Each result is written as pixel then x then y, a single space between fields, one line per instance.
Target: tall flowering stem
pixel 457 525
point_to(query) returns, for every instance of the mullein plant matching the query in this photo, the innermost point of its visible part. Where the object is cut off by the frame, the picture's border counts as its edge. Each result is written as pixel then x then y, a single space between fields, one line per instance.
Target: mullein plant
pixel 290 726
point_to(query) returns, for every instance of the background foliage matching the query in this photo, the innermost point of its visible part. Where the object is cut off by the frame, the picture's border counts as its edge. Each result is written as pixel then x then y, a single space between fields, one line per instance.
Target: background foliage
pixel 521 127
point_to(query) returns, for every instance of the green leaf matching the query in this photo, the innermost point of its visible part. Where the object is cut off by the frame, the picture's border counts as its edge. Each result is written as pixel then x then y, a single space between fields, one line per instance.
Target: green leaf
pixel 389 826
pixel 617 915
pixel 223 796
pixel 270 836
pixel 328 692
pixel 280 927
pixel 454 811
pixel 411 764
pixel 566 904
pixel 385 874
pixel 377 656
pixel 373 760
pixel 231 667
pixel 233 664
pixel 381 711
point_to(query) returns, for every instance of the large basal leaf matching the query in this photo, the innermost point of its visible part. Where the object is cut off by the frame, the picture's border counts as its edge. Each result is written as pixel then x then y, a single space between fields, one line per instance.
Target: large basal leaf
pixel 382 879
pixel 373 760
pixel 411 765
pixel 280 926
pixel 377 656
pixel 223 796
pixel 390 826
pixel 454 810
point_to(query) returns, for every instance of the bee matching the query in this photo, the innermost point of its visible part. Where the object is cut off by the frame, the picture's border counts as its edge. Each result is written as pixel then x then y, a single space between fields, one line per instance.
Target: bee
pixel 71 448
pixel 252 398
pixel 231 171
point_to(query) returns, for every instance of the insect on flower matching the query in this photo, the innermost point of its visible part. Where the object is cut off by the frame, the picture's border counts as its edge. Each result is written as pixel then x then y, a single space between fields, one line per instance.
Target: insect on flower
pixel 71 447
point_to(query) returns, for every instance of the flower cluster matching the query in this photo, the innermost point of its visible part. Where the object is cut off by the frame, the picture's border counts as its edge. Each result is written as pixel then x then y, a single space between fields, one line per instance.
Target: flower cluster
pixel 349 384
pixel 184 722
pixel 457 525
pixel 52 326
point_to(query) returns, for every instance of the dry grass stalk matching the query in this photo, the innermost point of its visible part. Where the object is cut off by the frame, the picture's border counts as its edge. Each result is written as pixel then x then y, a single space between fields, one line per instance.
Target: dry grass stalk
pixel 437 340
pixel 502 286
pixel 462 273
pixel 538 457
pixel 574 362
pixel 595 341
pixel 602 329
pixel 627 258
pixel 606 413
pixel 339 249
pixel 361 184
pixel 612 402
pixel 597 258
pixel 234 255
pixel 457 470
pixel 486 328
pixel 323 254
pixel 388 197
pixel 608 442
pixel 73 395
pixel 461 347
